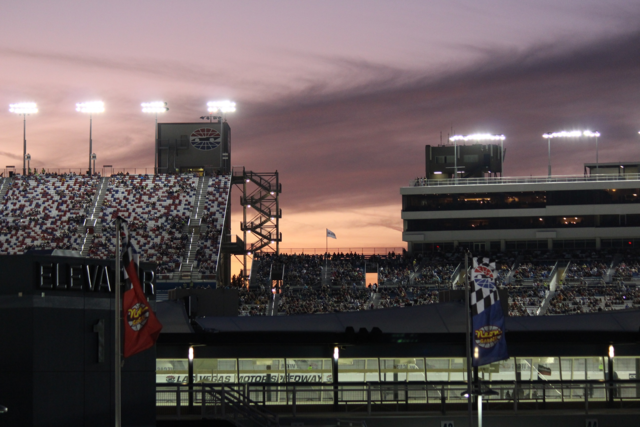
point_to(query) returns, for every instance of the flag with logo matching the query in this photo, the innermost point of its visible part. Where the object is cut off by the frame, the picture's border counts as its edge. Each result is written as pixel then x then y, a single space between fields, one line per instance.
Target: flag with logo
pixel 488 333
pixel 141 326
pixel 331 234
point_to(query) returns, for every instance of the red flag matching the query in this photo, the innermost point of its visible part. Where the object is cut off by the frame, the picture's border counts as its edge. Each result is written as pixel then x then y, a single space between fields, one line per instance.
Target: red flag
pixel 141 326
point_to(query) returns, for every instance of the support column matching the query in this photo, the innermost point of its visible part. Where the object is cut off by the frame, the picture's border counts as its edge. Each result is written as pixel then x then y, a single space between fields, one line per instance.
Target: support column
pixel 334 375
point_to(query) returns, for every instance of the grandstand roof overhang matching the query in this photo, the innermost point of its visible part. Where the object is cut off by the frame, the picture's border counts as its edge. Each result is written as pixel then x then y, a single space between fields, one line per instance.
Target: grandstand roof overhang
pixel 439 327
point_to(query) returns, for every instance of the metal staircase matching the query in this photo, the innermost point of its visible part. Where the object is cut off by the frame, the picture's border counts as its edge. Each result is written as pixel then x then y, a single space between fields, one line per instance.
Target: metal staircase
pixel 93 219
pixel 6 184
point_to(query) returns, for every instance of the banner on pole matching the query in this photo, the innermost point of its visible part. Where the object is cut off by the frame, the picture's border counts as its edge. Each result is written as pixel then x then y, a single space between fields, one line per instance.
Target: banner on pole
pixel 488 332
pixel 331 234
pixel 141 326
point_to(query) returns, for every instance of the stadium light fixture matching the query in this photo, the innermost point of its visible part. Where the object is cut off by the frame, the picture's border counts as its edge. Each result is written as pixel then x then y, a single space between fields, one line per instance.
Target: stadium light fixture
pixel 562 134
pixel 155 107
pixel 190 354
pixel 612 352
pixel 221 106
pixel 90 108
pixel 336 353
pixel 24 108
pixel 476 137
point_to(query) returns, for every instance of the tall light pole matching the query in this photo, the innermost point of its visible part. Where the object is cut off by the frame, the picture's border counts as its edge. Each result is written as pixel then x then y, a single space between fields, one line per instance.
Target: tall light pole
pixel 24 108
pixel 29 162
pixel 91 108
pixel 221 107
pixel 155 107
pixel 561 134
pixel 477 137
pixel 93 157
pixel 589 134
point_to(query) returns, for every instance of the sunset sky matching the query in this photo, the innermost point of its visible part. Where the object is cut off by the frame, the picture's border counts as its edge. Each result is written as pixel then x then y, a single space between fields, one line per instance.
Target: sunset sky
pixel 339 96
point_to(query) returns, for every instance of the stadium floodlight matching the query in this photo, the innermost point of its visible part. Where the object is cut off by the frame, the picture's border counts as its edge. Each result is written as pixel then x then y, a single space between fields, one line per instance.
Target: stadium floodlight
pixel 571 134
pixel 478 137
pixel 612 352
pixel 24 108
pixel 155 107
pixel 90 108
pixel 475 137
pixel 221 106
pixel 562 134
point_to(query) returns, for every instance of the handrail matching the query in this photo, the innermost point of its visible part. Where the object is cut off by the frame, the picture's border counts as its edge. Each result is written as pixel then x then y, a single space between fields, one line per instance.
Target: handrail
pixel 232 400
pixel 522 180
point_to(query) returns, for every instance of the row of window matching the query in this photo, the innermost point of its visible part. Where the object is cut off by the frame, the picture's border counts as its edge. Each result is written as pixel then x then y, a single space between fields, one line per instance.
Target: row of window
pixel 540 244
pixel 527 222
pixel 393 370
pixel 517 200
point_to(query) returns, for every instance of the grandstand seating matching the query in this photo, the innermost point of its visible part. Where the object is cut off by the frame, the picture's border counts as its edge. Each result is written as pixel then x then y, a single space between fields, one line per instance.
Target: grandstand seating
pixel 47 212
pixel 44 212
pixel 405 281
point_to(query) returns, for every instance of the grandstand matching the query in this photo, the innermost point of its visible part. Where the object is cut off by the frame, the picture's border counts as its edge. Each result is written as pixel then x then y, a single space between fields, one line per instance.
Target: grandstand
pixel 537 282
pixel 175 221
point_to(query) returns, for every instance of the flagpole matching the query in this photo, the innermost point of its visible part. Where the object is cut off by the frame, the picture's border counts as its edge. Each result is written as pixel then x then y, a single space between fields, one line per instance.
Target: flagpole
pixel 118 339
pixel 468 337
pixel 326 254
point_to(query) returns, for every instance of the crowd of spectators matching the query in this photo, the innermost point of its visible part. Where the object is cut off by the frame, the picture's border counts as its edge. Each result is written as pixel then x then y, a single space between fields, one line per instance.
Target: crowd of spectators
pixel 571 299
pixel 405 280
pixel 44 211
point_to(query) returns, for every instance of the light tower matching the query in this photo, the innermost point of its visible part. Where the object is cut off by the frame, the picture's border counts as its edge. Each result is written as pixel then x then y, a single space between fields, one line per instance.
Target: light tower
pixel 91 108
pixel 24 108
pixel 570 134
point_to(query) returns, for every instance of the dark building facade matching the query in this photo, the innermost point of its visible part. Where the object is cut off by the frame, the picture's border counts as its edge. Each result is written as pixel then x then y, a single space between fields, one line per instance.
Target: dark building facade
pixel 57 352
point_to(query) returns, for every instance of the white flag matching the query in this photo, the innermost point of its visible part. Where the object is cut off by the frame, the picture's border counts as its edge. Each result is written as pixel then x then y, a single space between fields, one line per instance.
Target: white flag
pixel 331 234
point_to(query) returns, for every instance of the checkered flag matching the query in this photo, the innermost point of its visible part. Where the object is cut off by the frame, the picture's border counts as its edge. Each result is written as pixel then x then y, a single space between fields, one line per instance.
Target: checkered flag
pixel 129 251
pixel 483 290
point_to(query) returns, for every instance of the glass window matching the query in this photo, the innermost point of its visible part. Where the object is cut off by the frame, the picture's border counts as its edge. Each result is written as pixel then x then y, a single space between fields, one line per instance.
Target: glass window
pixel 500 371
pixel 172 371
pixel 358 370
pixel 404 369
pixel 627 368
pixel 261 370
pixel 453 369
pixel 309 371
pixel 215 370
